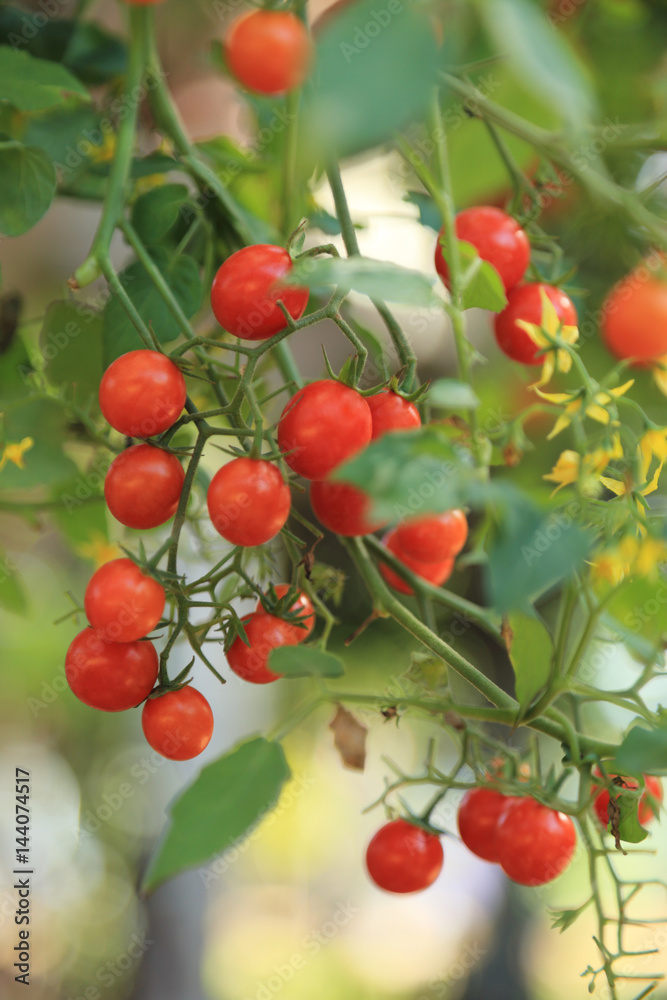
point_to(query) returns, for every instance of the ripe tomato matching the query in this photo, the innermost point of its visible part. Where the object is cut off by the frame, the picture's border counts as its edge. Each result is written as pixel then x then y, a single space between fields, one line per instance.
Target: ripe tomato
pixel 634 319
pixel 269 51
pixel 433 538
pixel 402 857
pixel 142 393
pixel 478 816
pixel 390 412
pixel 525 303
pixel 247 287
pixel 535 844
pixel 179 724
pixel 248 501
pixel 265 632
pixel 323 424
pixel 303 606
pixel 110 676
pixel 498 239
pixel 645 811
pixel 342 508
pixel 122 602
pixel 143 486
pixel 435 572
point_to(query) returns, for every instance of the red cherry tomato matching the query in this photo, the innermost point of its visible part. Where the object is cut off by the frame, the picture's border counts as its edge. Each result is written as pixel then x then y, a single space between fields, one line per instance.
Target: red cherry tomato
pixel 142 393
pixel 525 303
pixel 302 606
pixel 645 811
pixel 269 51
pixel 634 319
pixel 402 857
pixel 479 813
pixel 498 239
pixel 143 486
pixel 323 424
pixel 535 844
pixel 390 412
pixel 434 572
pixel 110 676
pixel 342 508
pixel 265 632
pixel 433 538
pixel 179 724
pixel 247 287
pixel 122 602
pixel 248 501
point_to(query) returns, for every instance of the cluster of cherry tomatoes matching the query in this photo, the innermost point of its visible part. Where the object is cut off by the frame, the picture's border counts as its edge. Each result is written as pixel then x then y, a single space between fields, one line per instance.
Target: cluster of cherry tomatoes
pixel 532 843
pixel 501 242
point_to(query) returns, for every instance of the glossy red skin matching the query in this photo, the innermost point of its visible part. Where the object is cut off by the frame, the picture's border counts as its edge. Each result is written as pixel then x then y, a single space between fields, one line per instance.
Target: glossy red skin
pixel 402 857
pixel 390 412
pixel 303 605
pixel 478 816
pixel 645 812
pixel 143 486
pixel 269 51
pixel 265 632
pixel 142 393
pixel 634 319
pixel 498 239
pixel 535 844
pixel 179 724
pixel 247 287
pixel 342 508
pixel 122 602
pixel 323 424
pixel 433 538
pixel 110 676
pixel 248 501
pixel 525 303
pixel 435 572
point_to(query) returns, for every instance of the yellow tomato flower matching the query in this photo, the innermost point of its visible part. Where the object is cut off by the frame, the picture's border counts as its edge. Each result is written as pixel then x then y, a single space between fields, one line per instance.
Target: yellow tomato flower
pixel 99 550
pixel 555 358
pixel 15 452
pixel 640 556
pixel 571 466
pixel 597 409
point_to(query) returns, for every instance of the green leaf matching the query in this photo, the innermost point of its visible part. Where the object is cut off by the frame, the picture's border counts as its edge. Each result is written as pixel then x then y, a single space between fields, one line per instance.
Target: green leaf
pixel 409 472
pixel 12 594
pixel 376 67
pixel 374 278
pixel 304 661
pixel 643 751
pixel 539 54
pixel 450 394
pixel 27 186
pixel 629 827
pixel 228 799
pixel 94 55
pixel 71 345
pixel 531 655
pixel 639 605
pixel 482 286
pixel 429 213
pixel 157 211
pixel 31 84
pixel 532 550
pixel 182 276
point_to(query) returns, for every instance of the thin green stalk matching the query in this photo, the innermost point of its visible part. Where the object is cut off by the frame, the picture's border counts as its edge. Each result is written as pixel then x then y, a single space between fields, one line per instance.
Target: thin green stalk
pixel 140 19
